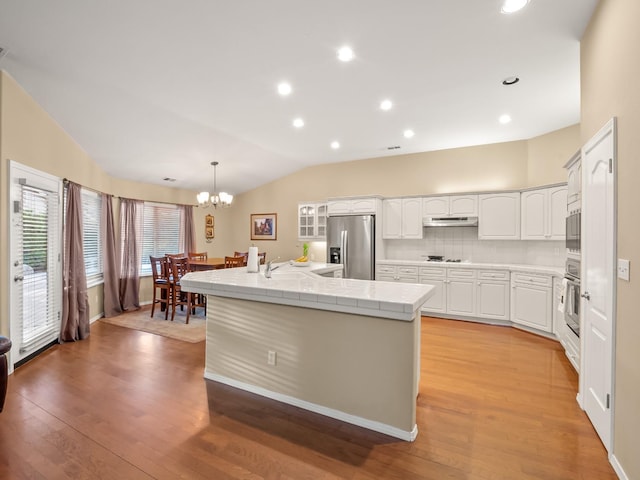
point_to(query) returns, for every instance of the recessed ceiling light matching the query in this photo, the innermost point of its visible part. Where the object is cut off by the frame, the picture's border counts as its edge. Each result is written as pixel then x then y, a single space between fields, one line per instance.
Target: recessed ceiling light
pixel 335 145
pixel 298 123
pixel 504 119
pixel 284 89
pixel 345 54
pixel 408 133
pixel 510 80
pixel 512 6
pixel 386 105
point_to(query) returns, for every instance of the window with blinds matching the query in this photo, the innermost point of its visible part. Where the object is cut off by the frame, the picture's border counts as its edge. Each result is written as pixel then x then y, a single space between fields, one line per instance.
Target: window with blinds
pixel 162 227
pixel 39 304
pixel 91 236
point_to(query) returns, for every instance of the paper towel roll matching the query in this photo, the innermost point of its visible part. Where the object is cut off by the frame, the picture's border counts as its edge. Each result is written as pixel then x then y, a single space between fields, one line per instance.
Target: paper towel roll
pixel 252 260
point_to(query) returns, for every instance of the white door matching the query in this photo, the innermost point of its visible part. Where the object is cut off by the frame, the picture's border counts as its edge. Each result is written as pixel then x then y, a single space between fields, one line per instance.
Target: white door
pixel 598 279
pixel 36 276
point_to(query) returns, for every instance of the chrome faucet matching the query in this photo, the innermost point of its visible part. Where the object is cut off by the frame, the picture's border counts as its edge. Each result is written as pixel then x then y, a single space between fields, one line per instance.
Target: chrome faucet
pixel 269 269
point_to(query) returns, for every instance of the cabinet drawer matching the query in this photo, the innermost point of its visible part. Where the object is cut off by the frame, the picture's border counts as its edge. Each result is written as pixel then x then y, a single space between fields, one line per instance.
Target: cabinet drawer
pixel 382 269
pixel 460 273
pixel 407 278
pixel 433 271
pixel 532 279
pixel 493 275
pixel 407 270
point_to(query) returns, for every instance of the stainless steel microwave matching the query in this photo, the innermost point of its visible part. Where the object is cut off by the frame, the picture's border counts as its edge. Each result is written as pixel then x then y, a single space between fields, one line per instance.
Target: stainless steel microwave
pixel 573 231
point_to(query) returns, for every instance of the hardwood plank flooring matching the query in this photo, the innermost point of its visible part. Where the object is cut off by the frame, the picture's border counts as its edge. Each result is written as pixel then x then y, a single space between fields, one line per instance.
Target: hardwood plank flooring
pixel 494 403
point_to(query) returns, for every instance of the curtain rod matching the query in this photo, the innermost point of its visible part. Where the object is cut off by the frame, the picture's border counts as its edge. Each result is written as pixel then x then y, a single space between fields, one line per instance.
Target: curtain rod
pixel 66 180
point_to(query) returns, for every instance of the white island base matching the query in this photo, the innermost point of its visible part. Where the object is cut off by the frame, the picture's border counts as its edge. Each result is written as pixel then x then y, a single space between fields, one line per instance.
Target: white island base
pixel 359 369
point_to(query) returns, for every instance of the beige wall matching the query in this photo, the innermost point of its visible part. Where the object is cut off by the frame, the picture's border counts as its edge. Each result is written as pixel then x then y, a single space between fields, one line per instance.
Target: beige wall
pixel 547 154
pixel 610 66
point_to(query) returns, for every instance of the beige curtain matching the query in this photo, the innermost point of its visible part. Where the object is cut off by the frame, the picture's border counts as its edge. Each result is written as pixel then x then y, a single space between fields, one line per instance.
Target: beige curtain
pixel 75 301
pixel 110 261
pixel 131 250
pixel 189 229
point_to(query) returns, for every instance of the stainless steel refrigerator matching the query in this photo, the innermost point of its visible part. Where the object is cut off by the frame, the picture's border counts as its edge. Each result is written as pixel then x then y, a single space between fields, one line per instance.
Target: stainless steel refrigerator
pixel 351 242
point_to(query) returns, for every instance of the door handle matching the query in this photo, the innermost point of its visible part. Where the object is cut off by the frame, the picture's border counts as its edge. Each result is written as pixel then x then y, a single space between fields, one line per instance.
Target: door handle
pixel 586 295
pixel 18 278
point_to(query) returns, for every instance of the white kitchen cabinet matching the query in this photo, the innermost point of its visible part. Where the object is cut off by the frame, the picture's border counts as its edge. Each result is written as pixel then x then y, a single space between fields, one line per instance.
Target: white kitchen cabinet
pixel 450 205
pixel 352 206
pixel 574 178
pixel 499 216
pixel 402 218
pixel 436 277
pixel 397 273
pixel 461 292
pixel 543 213
pixel 312 221
pixel 531 301
pixel 492 294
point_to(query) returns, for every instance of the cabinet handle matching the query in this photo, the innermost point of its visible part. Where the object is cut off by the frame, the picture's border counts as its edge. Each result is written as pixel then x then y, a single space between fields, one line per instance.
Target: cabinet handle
pixel 586 295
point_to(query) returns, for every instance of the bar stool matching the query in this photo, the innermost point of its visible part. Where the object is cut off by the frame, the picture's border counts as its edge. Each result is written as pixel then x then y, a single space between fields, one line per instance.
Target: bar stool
pixel 5 346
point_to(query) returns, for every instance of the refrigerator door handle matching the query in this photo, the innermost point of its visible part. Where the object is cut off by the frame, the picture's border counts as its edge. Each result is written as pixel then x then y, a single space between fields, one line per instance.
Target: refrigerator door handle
pixel 343 250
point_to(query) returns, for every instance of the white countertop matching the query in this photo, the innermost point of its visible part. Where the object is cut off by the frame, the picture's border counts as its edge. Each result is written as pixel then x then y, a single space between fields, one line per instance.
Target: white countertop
pixel 542 269
pixel 303 286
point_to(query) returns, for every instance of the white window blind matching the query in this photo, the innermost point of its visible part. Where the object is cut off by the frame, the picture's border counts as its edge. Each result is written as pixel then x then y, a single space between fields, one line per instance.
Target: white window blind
pixel 162 227
pixel 91 236
pixel 39 306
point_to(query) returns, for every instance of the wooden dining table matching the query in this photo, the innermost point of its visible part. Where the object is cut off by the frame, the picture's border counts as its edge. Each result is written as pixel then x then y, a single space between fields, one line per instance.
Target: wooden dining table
pixel 213 263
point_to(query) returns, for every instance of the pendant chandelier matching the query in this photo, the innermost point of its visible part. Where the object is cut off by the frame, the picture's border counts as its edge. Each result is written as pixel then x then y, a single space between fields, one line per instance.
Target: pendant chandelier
pixel 214 199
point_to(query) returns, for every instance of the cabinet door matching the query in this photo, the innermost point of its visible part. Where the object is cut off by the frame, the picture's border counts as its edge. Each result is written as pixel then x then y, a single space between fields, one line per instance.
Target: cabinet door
pixel 411 218
pixel 363 205
pixel 493 299
pixel 463 205
pixel 461 297
pixel 437 301
pixel 534 221
pixel 499 216
pixel 531 306
pixel 435 206
pixel 338 207
pixel 306 221
pixel 321 221
pixel 392 218
pixel 557 213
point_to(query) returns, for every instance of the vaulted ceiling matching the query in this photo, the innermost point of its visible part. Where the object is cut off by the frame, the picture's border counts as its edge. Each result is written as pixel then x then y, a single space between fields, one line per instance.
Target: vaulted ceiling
pixel 158 88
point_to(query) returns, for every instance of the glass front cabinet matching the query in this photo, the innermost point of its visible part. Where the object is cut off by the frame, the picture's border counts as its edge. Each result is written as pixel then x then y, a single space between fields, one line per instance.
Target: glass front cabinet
pixel 312 221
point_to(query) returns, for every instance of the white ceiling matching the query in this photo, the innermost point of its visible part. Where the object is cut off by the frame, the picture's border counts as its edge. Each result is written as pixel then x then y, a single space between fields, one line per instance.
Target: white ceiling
pixel 160 88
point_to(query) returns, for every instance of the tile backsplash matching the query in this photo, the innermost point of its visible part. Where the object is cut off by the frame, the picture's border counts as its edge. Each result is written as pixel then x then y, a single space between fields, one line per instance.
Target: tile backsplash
pixel 462 243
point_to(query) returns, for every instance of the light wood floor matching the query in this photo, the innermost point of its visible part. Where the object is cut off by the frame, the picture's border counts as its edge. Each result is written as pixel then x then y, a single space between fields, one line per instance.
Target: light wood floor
pixel 495 403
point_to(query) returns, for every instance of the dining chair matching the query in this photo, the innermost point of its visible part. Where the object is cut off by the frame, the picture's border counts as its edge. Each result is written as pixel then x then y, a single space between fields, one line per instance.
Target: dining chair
pixel 175 255
pixel 161 284
pixel 242 254
pixel 233 262
pixel 197 255
pixel 179 268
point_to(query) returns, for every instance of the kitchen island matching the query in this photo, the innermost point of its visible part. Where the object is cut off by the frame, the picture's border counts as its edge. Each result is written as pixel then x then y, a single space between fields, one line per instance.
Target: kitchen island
pixel 348 349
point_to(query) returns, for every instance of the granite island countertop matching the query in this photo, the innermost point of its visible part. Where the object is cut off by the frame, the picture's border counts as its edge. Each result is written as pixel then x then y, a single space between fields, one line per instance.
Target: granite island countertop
pixel 304 286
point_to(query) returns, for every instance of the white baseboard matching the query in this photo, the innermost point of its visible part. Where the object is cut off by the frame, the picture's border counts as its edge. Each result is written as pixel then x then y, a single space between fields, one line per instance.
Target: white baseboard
pixel 390 430
pixel 617 467
pixel 96 317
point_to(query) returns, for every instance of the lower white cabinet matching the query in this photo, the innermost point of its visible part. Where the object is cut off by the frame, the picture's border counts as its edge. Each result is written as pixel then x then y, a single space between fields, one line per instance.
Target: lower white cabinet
pixel 436 277
pixel 531 301
pixel 397 273
pixel 492 294
pixel 461 292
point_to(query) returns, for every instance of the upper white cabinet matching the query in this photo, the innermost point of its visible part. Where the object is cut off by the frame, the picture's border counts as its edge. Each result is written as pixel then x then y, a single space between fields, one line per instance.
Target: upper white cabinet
pixel 312 221
pixel 499 216
pixel 543 214
pixel 574 178
pixel 450 205
pixel 402 218
pixel 352 206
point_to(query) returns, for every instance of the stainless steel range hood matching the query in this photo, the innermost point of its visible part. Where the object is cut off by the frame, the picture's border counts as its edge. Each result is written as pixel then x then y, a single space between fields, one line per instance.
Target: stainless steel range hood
pixel 450 221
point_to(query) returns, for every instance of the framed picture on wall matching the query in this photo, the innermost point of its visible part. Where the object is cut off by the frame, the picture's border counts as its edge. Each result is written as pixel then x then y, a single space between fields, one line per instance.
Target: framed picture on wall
pixel 264 226
pixel 209 227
